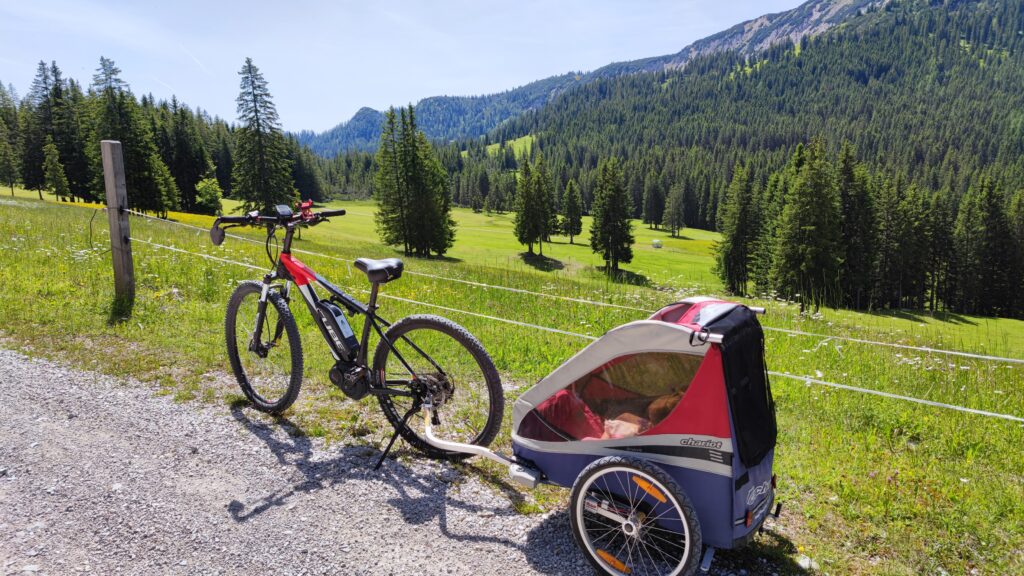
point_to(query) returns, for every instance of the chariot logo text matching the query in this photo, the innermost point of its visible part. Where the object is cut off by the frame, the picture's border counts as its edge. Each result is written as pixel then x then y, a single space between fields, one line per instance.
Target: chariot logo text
pixel 695 443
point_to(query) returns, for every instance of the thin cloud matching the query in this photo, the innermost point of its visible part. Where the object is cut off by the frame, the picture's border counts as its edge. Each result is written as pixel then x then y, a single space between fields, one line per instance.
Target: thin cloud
pixel 84 18
pixel 162 83
pixel 196 60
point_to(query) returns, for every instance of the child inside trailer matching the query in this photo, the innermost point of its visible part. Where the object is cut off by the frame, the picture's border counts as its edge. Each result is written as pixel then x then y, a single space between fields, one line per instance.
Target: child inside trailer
pixel 623 398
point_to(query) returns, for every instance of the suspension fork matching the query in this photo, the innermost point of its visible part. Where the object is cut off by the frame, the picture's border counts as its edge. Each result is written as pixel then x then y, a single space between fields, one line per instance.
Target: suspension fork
pixel 286 294
pixel 261 313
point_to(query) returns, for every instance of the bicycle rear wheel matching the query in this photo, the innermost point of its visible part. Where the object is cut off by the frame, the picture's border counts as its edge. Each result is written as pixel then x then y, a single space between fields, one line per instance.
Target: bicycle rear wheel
pixel 268 365
pixel 435 352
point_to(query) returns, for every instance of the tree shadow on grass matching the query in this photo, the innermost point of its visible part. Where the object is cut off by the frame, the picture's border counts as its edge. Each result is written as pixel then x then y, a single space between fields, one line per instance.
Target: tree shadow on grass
pixel 542 263
pixel 921 316
pixel 625 277
pixel 433 258
pixel 679 236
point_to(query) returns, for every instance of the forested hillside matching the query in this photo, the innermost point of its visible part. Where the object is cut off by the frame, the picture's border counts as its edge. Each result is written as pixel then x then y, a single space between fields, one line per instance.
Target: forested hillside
pixel 933 93
pixel 447 118
pixel 924 209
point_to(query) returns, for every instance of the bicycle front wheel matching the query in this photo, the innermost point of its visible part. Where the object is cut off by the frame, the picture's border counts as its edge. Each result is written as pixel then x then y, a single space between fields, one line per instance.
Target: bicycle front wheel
pixel 267 364
pixel 433 352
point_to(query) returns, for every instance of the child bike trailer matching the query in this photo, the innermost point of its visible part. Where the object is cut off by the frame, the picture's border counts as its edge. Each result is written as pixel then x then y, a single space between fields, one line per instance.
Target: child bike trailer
pixel 665 431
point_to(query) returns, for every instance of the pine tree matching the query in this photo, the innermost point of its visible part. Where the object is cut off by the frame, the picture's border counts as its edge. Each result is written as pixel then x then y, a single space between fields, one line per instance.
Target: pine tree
pixel 262 173
pixel 859 227
pixel 545 206
pixel 118 116
pixel 770 202
pixel 808 250
pixel 439 234
pixel 416 201
pixel 984 253
pixel 9 115
pixel 495 200
pixel 739 229
pixel 189 161
pixel 70 131
pixel 166 187
pixel 476 202
pixel 8 159
pixel 223 156
pixel 636 193
pixel 654 201
pixel 483 186
pixel 675 210
pixel 390 188
pixel 11 145
pixel 108 77
pixel 1015 215
pixel 36 124
pixel 940 251
pixel 528 225
pixel 53 171
pixel 412 189
pixel 893 231
pixel 611 231
pixel 914 253
pixel 572 219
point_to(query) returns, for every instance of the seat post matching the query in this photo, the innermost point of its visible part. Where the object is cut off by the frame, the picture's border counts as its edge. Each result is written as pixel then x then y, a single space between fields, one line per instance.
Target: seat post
pixel 371 308
pixel 374 288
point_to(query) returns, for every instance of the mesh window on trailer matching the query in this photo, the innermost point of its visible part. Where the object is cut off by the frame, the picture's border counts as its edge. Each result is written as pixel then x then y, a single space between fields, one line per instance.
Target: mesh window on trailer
pixel 746 382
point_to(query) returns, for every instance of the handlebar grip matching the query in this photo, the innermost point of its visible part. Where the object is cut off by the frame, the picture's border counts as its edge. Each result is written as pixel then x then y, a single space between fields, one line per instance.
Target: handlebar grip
pixel 233 219
pixel 329 213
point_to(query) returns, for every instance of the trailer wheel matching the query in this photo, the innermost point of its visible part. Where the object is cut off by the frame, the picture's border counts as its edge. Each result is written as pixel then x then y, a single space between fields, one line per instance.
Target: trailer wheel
pixel 629 516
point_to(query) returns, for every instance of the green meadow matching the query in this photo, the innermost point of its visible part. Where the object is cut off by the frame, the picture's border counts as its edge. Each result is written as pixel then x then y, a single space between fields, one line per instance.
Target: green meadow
pixel 869 484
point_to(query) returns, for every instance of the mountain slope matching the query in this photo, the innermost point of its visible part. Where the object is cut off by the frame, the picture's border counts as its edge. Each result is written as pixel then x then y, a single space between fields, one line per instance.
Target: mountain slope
pixel 808 19
pixel 930 92
pixel 442 117
pixel 450 118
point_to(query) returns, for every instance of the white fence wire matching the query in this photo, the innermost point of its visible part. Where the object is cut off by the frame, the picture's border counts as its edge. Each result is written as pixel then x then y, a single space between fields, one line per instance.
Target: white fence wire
pixel 924 349
pixel 804 379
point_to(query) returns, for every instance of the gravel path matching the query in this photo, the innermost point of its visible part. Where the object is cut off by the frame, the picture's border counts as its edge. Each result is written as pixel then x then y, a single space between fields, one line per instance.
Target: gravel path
pixel 99 475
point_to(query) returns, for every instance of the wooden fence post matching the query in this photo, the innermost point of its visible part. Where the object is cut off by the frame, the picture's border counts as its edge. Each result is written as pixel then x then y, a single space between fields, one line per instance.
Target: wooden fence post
pixel 117 216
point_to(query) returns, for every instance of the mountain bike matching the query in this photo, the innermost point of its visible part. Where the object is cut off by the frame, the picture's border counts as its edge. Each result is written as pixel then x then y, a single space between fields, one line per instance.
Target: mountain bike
pixel 420 360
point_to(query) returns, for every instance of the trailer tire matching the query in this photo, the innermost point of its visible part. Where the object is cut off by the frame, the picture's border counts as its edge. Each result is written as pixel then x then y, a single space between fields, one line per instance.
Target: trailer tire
pixel 646 546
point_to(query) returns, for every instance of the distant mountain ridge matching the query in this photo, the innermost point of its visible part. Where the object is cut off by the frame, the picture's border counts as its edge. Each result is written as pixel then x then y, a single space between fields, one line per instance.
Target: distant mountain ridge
pixel 442 117
pixel 809 19
pixel 458 117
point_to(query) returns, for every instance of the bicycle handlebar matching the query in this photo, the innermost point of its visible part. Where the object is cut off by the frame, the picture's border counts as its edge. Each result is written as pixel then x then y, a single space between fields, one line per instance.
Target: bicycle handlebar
pixel 232 220
pixel 305 217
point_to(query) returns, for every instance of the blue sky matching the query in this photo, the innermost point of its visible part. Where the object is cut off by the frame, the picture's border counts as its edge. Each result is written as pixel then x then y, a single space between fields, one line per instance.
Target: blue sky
pixel 325 60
